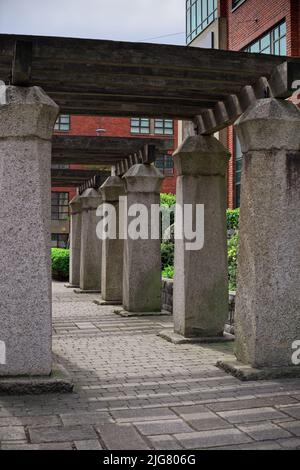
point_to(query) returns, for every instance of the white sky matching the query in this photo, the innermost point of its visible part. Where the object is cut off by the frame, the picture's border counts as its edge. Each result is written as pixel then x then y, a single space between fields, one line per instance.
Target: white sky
pixel 125 20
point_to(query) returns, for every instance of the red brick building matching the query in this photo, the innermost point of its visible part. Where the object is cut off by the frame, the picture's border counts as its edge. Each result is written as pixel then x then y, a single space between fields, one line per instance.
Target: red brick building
pixel 117 127
pixel 261 26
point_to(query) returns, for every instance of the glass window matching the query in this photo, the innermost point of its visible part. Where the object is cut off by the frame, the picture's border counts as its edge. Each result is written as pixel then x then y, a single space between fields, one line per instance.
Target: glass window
pixel 63 123
pixel 165 164
pixel 273 42
pixel 59 206
pixel 199 14
pixel 140 126
pixel 235 3
pixel 59 240
pixel 238 170
pixel 163 126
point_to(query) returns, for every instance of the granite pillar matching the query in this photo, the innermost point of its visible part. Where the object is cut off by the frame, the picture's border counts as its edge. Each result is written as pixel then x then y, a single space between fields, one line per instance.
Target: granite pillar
pixel 75 241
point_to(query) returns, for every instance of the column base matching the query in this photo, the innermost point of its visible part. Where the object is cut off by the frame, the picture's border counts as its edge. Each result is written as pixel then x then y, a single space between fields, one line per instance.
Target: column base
pixel 125 313
pixel 175 338
pixel 82 291
pixel 246 373
pixel 107 302
pixel 59 381
pixel 71 286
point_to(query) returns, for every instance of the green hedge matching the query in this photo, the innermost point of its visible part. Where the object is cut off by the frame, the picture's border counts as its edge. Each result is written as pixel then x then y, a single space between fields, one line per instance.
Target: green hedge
pixel 233 216
pixel 60 259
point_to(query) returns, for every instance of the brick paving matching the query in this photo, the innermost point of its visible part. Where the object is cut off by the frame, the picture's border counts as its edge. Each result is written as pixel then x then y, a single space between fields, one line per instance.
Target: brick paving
pixel 134 390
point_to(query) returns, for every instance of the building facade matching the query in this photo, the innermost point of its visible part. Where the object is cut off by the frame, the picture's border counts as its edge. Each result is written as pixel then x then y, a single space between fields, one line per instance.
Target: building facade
pixel 257 26
pixel 110 127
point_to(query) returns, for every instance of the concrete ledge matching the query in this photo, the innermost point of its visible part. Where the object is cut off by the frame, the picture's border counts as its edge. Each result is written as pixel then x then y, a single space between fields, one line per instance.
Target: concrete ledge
pixel 70 286
pixel 107 302
pixel 124 313
pixel 247 373
pixel 172 337
pixel 58 382
pixel 80 291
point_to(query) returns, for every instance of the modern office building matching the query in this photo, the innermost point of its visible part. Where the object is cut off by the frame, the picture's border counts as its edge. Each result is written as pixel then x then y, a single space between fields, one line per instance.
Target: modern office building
pixel 257 26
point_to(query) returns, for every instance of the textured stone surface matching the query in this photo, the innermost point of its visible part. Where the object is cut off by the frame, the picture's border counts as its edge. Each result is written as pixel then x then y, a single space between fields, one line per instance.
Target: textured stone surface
pixel 26 125
pixel 112 248
pixel 142 258
pixel 200 302
pixel 91 245
pixel 75 240
pixel 268 294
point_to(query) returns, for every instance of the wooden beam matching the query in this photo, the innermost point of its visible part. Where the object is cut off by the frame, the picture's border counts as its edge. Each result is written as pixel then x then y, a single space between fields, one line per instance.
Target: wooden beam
pixel 22 63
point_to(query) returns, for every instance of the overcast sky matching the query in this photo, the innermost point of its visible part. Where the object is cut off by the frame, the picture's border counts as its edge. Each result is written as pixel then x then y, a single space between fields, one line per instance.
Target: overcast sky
pixel 127 20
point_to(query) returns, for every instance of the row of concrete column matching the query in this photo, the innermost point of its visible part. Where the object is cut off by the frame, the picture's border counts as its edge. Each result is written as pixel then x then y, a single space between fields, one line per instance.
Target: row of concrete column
pixel 268 292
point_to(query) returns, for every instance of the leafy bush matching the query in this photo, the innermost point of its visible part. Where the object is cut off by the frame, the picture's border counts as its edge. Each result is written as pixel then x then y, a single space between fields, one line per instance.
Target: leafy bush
pixel 232 260
pixel 60 264
pixel 168 272
pixel 233 216
pixel 167 254
pixel 167 199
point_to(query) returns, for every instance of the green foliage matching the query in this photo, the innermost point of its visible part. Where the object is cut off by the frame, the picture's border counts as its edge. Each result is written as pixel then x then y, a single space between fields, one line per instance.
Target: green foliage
pixel 167 254
pixel 167 199
pixel 232 260
pixel 60 264
pixel 233 216
pixel 168 272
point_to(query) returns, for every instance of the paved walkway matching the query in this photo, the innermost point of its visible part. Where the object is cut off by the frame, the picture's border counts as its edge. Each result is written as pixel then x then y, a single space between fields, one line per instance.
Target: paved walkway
pixel 136 391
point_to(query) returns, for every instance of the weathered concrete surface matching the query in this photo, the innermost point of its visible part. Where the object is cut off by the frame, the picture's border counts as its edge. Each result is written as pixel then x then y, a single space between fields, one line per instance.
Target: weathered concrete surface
pixel 91 245
pixel 268 290
pixel 142 257
pixel 201 283
pixel 75 240
pixel 26 126
pixel 112 248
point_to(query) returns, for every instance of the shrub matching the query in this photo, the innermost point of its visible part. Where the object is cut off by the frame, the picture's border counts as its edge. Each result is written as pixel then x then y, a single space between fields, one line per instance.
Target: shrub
pixel 168 272
pixel 167 254
pixel 233 216
pixel 167 199
pixel 232 260
pixel 60 264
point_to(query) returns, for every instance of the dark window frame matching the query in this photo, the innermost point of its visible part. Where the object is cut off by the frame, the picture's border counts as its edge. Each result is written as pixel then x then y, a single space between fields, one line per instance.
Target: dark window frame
pixel 59 238
pixel 236 3
pixel 63 123
pixel 274 36
pixel 199 15
pixel 140 126
pixel 164 127
pixel 59 211
pixel 165 163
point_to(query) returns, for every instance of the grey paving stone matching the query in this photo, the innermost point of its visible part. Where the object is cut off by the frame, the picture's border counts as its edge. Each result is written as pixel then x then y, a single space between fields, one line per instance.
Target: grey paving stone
pixel 147 414
pixel 200 418
pixel 266 445
pixel 207 439
pixel 249 415
pixel 152 428
pixel 92 444
pixel 293 443
pixel 293 411
pixel 292 426
pixel 265 431
pixel 251 403
pixel 52 446
pixel 61 434
pixel 12 433
pixel 121 437
pixel 164 442
pixel 70 419
pixel 30 421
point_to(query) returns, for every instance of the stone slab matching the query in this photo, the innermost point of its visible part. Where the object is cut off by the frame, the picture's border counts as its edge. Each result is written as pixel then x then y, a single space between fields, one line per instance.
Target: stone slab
pixel 71 286
pixel 125 313
pixel 246 373
pixel 175 338
pixel 81 291
pixel 59 381
pixel 107 302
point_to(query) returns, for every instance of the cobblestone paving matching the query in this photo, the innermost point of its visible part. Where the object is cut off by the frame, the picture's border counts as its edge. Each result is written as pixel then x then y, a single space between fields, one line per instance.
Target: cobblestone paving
pixel 134 390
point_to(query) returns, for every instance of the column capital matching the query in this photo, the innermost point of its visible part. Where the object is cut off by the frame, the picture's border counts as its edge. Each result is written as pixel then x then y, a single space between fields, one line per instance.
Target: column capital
pixel 26 111
pixel 143 178
pixel 112 189
pixel 75 205
pixel 269 124
pixel 201 155
pixel 90 199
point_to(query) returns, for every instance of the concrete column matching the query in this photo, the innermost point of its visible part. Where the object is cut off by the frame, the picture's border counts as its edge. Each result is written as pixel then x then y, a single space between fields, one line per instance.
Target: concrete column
pixel 201 277
pixel 268 290
pixel 27 117
pixel 112 248
pixel 142 257
pixel 91 245
pixel 75 240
